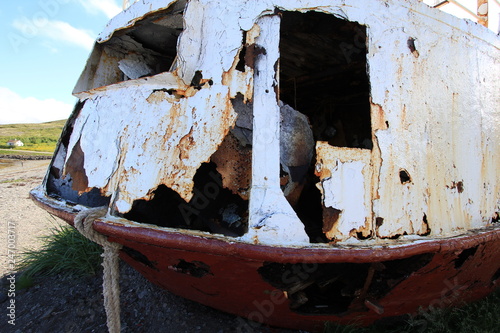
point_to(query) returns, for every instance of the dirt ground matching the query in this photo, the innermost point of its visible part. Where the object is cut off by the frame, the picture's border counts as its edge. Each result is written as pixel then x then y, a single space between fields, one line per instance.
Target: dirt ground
pixel 59 304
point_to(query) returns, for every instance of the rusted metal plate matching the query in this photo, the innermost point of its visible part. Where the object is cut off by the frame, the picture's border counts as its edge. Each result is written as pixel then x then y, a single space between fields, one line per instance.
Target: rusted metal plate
pixel 369 283
pixel 137 161
pixel 271 218
pixel 408 183
pixel 407 153
pixel 233 163
pixel 345 182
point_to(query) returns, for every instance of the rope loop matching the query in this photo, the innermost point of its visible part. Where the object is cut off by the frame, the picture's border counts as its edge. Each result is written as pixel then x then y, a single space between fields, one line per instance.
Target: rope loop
pixel 110 283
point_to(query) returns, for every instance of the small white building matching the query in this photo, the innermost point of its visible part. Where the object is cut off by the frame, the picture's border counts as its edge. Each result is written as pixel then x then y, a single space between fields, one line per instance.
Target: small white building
pixel 15 143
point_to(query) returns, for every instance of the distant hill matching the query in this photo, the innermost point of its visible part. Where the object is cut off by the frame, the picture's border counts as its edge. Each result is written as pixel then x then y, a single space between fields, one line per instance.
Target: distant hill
pixel 36 137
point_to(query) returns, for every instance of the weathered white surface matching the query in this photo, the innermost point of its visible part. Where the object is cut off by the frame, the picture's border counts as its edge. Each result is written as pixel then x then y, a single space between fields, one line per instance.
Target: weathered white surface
pixel 440 108
pixel 134 68
pixel 272 219
pixel 120 59
pixel 136 138
pixel 131 15
pixel 435 116
pixel 101 69
pixel 157 82
pixel 345 176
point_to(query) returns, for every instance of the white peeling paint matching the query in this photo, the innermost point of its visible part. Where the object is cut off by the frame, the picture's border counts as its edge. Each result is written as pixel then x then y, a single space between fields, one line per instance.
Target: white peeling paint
pixel 345 190
pixel 272 219
pixel 132 14
pixel 439 108
pixel 165 81
pixel 345 177
pixel 132 145
pixel 134 68
pixel 435 116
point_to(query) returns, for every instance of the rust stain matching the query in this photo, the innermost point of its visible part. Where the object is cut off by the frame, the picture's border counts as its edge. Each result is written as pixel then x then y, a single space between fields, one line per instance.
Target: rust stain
pixel 253 51
pixel 74 167
pixel 330 219
pixel 240 76
pixel 456 185
pixel 186 144
pixel 175 113
pixel 365 231
pixel 411 45
pixel 376 162
pixel 378 117
pixel 234 164
pixel 229 76
pixel 320 171
pixel 403 117
pixel 156 97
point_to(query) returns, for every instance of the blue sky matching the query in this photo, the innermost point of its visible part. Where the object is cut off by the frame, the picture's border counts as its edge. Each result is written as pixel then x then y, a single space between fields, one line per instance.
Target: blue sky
pixel 45 44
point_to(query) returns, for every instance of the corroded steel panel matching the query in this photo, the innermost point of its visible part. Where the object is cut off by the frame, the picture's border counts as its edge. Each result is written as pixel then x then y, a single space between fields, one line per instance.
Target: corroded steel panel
pixel 375 282
pixel 425 121
pixel 155 140
pixel 410 197
pixel 345 183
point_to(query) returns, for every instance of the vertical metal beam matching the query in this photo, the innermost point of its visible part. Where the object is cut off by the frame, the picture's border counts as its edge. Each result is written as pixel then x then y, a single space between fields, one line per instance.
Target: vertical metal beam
pixel 459 5
pixel 266 160
pixel 272 219
pixel 482 12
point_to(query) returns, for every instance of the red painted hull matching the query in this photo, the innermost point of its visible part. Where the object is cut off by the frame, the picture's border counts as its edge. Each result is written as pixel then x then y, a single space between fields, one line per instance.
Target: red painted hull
pixel 260 282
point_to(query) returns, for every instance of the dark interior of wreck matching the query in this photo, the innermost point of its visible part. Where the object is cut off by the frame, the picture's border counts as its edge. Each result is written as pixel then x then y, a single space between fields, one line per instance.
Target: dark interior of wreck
pixel 323 75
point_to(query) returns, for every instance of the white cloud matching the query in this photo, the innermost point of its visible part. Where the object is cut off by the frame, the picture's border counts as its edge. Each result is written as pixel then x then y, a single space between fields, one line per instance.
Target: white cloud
pixel 49 46
pixel 55 30
pixel 108 7
pixel 15 109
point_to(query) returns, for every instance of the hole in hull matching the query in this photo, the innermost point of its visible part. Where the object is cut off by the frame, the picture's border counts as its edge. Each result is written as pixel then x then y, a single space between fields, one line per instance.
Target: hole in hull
pixel 323 75
pixel 404 176
pixel 495 276
pixel 212 208
pixel 495 218
pixel 60 186
pixel 196 268
pixel 338 288
pixel 139 257
pixel 464 255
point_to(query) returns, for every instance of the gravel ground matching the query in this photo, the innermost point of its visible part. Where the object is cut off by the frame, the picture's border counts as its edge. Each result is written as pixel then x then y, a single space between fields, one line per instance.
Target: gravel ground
pixel 27 222
pixel 58 304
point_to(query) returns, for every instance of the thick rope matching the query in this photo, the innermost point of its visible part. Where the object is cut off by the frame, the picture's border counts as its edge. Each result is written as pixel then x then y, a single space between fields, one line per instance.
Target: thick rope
pixel 110 284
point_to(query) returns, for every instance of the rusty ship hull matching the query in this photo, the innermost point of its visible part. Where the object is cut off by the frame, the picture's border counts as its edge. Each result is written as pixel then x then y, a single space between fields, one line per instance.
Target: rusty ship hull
pixel 295 163
pixel 255 281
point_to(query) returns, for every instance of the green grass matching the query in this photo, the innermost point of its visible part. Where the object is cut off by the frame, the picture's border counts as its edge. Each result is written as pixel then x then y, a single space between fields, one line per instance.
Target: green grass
pixel 37 137
pixel 11 181
pixel 24 153
pixel 478 317
pixel 64 251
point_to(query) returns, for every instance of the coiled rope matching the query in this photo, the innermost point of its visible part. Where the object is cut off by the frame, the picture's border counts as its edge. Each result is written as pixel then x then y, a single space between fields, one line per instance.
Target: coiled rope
pixel 110 284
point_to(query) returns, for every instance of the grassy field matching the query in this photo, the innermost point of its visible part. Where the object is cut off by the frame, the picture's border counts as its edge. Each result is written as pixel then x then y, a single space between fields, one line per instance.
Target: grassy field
pixel 40 137
pixel 26 153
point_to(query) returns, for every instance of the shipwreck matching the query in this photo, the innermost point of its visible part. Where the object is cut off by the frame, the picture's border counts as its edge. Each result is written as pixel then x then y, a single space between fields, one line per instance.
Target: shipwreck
pixel 291 162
